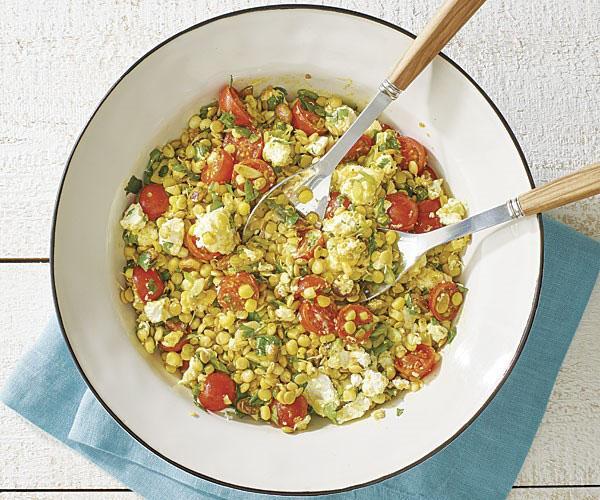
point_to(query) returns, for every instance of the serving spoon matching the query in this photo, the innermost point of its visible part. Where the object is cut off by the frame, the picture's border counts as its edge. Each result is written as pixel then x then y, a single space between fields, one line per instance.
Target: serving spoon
pixel 573 187
pixel 451 16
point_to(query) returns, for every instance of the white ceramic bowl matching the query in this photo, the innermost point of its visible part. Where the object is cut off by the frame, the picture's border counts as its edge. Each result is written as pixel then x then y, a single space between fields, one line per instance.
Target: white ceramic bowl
pixel 348 54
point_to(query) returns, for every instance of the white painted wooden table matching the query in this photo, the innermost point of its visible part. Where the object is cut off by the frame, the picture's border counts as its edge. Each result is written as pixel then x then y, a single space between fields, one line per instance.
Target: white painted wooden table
pixel 539 61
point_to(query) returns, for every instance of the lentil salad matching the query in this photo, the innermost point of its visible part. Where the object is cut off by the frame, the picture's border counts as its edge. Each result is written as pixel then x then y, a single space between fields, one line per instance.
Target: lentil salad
pixel 273 328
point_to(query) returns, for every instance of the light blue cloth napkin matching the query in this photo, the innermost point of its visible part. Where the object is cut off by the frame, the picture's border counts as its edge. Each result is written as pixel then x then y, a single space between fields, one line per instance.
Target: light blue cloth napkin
pixel 483 462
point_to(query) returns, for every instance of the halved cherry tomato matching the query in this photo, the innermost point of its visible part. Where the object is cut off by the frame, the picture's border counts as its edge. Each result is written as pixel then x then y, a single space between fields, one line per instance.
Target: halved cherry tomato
pixel 309 241
pixel 228 294
pixel 175 326
pixel 412 150
pixel 219 167
pixel 441 304
pixel 427 220
pixel 428 171
pixel 217 387
pixel 306 120
pixel 148 284
pixel 313 281
pixel 362 322
pixel 200 253
pixel 264 168
pixel 154 200
pixel 244 148
pixel 417 364
pixel 317 319
pixel 360 148
pixel 334 202
pixel 230 102
pixel 403 212
pixel 290 415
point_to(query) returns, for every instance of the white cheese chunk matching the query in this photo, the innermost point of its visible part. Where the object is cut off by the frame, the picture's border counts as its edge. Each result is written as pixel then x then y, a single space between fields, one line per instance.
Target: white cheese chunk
pixel 346 223
pixel 134 218
pixel 223 236
pixel 157 310
pixel 354 410
pixel 278 152
pixel 344 253
pixel 319 392
pixel 374 383
pixel 318 146
pixel 359 183
pixel 338 120
pixel 170 235
pixel 437 332
pixel 452 212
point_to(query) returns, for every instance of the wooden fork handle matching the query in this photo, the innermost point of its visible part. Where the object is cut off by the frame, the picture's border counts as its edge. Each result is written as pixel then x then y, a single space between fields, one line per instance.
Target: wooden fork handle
pixel 451 16
pixel 573 187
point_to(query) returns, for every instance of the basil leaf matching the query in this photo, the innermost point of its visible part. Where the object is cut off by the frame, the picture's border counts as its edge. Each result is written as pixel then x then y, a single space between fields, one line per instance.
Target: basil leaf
pixel 384 346
pixel 165 275
pixel 282 90
pixel 163 171
pixel 151 286
pixel 134 185
pixel 399 411
pixel 203 113
pixel 219 365
pixel 451 335
pixel 329 411
pixel 129 238
pixel 250 194
pixel 421 193
pixel 243 131
pixel 179 168
pixel 308 93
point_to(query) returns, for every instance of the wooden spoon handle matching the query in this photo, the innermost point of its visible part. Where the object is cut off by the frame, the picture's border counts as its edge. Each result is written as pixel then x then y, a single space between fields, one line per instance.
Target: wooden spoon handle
pixel 451 16
pixel 573 187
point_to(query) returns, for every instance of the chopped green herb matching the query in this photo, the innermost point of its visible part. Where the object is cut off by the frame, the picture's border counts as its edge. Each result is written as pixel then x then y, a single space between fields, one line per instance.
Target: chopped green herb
pixel 203 113
pixel 371 244
pixel 129 265
pixel 129 238
pixel 250 194
pixel 145 260
pixel 390 143
pixel 289 215
pixel 194 177
pixel 151 286
pixel 329 411
pixel 219 365
pixel 408 300
pixel 178 167
pixel 421 193
pixel 163 171
pixel 227 119
pixel 254 316
pixel 154 156
pixel 461 288
pixel 451 334
pixel 265 343
pixel 243 131
pixel 255 401
pixel 384 346
pixel 201 151
pixel 399 411
pixel 167 245
pixel 308 93
pixel 282 90
pixel 216 203
pixel 165 275
pixel 134 185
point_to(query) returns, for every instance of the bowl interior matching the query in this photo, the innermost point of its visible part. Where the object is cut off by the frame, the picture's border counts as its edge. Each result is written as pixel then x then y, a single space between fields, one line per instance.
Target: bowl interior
pixel 344 54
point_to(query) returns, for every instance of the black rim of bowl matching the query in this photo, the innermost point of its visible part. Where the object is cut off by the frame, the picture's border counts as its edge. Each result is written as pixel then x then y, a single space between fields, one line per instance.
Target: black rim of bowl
pixel 300 493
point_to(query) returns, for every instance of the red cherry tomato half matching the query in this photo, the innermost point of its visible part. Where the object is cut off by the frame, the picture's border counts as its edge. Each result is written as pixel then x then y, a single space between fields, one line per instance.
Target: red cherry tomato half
pixel 360 148
pixel 230 102
pixel 290 415
pixel 199 253
pixel 412 150
pixel 309 241
pixel 148 284
pixel 317 319
pixel 218 393
pixel 264 168
pixel 307 121
pixel 154 200
pixel 228 293
pixel 219 167
pixel 313 281
pixel 362 319
pixel 336 200
pixel 403 212
pixel 441 304
pixel 175 326
pixel 427 220
pixel 429 172
pixel 417 364
pixel 244 148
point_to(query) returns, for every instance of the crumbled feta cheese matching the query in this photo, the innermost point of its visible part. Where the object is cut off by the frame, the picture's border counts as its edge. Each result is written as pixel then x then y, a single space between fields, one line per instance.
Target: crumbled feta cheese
pixel 345 224
pixel 401 384
pixel 452 212
pixel 343 284
pixel 373 129
pixel 338 120
pixel 434 190
pixel 362 357
pixel 384 162
pixel 429 277
pixel 134 218
pixel 359 183
pixel 285 313
pixel 318 146
pixel 413 338
pixel 319 391
pixel 340 358
pixel 278 152
pixel 437 332
pixel 355 380
pixel 157 310
pixel 387 140
pixel 170 235
pixel 344 252
pixel 354 409
pixel 216 223
pixel 374 383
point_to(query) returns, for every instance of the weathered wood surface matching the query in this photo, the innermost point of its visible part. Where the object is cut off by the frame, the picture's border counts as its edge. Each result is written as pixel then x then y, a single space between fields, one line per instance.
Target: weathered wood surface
pixel 540 63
